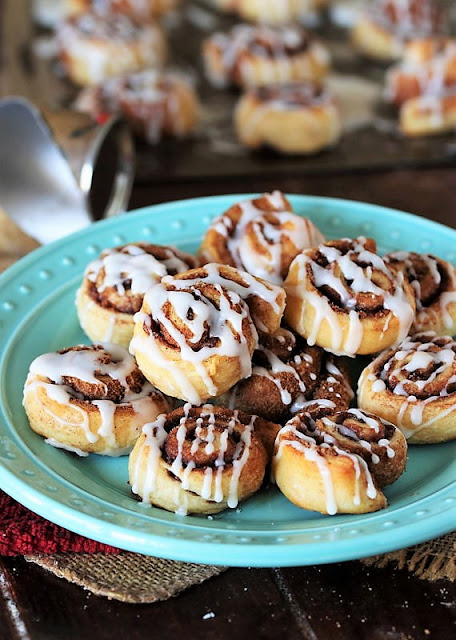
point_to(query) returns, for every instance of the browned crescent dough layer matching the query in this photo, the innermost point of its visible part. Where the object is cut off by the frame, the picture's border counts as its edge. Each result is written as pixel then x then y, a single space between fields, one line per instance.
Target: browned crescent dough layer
pixel 336 463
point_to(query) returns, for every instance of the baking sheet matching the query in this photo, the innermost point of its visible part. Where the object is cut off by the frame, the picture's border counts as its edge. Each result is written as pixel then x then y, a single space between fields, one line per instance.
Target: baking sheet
pixel 371 138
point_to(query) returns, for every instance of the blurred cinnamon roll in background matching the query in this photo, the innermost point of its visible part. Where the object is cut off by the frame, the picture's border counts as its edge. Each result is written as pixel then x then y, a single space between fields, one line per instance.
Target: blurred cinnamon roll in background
pixel 277 11
pixel 93 47
pixel 428 67
pixel 157 104
pixel 429 114
pixel 251 55
pixel 137 8
pixel 298 118
pixel 385 27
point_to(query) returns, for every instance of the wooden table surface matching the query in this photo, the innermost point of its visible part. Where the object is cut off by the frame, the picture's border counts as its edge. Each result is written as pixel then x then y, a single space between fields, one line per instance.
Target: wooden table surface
pixel 343 601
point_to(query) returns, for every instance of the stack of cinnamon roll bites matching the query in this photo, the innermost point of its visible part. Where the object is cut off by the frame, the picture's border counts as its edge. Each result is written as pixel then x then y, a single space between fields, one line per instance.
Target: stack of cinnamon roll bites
pixel 116 50
pixel 422 81
pixel 281 67
pixel 235 362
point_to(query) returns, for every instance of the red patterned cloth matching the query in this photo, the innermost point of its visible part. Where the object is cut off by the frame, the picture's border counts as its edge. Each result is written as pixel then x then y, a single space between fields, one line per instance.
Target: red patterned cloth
pixel 23 532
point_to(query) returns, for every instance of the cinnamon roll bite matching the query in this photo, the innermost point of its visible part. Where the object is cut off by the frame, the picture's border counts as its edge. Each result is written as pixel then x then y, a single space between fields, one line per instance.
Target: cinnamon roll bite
pixel 198 460
pixel 295 118
pixel 343 297
pixel 385 27
pixel 287 376
pixel 196 332
pixel 93 47
pixel 338 462
pixel 428 68
pixel 261 236
pixel 251 55
pixel 157 104
pixel 414 386
pixel 137 8
pixel 433 281
pixel 114 285
pixel 90 399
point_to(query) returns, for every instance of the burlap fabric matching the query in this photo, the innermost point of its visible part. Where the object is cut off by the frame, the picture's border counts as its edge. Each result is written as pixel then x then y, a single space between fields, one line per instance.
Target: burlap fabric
pixel 131 577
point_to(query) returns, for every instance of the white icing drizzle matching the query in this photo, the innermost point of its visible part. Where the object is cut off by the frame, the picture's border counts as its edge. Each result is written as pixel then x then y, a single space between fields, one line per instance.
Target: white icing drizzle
pixel 60 445
pixel 360 281
pixel 276 366
pixel 109 328
pixel 155 437
pixel 304 439
pixel 134 264
pixel 255 228
pixel 47 372
pixel 411 19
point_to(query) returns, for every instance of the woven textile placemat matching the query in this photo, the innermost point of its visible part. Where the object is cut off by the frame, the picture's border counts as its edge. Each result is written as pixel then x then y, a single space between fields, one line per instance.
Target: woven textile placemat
pixel 134 578
pixel 129 577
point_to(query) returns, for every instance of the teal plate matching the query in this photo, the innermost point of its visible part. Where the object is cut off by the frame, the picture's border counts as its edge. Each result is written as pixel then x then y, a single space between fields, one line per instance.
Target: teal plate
pixel 91 495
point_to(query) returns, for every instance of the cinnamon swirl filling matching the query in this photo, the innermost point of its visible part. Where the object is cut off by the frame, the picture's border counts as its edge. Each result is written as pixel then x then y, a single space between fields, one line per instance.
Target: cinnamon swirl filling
pixel 433 281
pixel 344 297
pixel 114 285
pixel 262 236
pixel 194 337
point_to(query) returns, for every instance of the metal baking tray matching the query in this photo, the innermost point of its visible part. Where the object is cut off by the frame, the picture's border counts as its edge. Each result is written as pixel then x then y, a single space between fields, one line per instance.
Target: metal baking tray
pixel 371 139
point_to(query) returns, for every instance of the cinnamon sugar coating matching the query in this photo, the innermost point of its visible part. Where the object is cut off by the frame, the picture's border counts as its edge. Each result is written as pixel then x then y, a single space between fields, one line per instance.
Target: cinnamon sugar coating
pixel 288 375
